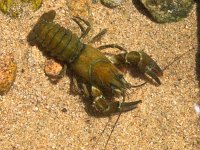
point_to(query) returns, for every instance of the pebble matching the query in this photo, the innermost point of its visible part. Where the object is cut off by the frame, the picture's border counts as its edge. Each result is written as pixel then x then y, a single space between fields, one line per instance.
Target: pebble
pixel 164 11
pixel 197 108
pixel 53 69
pixel 7 72
pixel 111 3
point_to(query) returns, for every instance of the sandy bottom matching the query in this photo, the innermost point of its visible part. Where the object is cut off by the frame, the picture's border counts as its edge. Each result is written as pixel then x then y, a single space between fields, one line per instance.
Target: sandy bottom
pixel 31 115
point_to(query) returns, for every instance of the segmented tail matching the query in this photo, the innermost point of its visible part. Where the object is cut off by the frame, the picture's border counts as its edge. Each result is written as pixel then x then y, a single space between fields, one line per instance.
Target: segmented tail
pixel 54 39
pixel 46 17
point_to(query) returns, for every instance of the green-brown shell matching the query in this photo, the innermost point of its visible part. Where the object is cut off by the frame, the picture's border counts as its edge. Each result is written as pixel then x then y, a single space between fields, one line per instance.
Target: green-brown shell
pixel 59 42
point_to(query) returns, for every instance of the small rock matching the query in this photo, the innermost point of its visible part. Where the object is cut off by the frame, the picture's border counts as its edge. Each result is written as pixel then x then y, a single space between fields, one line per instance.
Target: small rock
pixel 14 7
pixel 168 10
pixel 53 69
pixel 35 109
pixel 7 72
pixel 197 108
pixel 64 110
pixel 79 7
pixel 111 3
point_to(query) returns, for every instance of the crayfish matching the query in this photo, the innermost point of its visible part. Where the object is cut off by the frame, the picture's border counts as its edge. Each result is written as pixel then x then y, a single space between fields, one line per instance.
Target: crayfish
pixel 100 74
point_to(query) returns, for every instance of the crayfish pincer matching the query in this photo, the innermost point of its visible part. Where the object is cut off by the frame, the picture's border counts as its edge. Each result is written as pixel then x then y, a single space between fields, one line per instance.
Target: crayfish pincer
pixel 99 74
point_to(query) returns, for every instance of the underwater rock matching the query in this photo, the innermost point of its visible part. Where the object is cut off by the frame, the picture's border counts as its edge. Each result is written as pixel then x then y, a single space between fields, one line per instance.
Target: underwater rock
pixel 168 10
pixel 7 72
pixel 53 69
pixel 14 7
pixel 111 3
pixel 79 7
pixel 36 4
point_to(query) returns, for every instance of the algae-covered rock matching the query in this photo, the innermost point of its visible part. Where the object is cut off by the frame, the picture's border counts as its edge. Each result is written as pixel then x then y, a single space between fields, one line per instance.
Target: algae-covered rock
pixel 14 7
pixel 9 7
pixel 111 3
pixel 7 72
pixel 168 10
pixel 35 3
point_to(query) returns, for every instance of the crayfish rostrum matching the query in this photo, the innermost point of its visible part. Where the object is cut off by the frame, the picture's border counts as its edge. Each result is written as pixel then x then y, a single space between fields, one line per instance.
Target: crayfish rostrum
pixel 100 75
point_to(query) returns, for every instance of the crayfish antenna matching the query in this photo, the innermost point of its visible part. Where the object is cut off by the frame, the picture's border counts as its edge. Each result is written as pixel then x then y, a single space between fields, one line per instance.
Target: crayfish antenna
pixel 175 59
pixel 112 130
pixel 101 133
pixel 114 123
pixel 136 86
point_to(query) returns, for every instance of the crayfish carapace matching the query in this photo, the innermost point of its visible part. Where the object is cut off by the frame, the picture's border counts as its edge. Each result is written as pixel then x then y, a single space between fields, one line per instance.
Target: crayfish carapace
pixel 100 74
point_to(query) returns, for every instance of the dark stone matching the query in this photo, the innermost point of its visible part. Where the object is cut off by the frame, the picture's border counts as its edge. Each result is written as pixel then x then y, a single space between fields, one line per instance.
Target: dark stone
pixel 168 10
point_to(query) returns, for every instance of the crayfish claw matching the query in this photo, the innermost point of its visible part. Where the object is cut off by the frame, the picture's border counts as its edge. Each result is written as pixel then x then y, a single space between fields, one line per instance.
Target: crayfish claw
pixel 145 64
pixel 128 106
pixel 153 75
pixel 150 67
pixel 154 67
pixel 115 107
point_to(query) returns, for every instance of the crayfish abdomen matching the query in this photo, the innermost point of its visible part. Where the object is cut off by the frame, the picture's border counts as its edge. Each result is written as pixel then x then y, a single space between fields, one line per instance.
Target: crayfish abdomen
pixel 58 41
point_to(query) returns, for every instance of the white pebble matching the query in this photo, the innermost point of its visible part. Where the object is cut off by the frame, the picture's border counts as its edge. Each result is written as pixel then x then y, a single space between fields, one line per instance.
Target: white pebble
pixel 197 108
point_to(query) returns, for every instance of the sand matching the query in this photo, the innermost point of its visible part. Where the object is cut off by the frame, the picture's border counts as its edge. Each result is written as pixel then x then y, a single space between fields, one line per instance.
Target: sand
pixel 36 114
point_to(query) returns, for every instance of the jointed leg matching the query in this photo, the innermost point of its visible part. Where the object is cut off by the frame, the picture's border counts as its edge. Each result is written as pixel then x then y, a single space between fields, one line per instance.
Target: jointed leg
pixel 112 46
pixel 63 71
pixel 85 90
pixel 84 31
pixel 74 86
pixel 80 88
pixel 98 36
